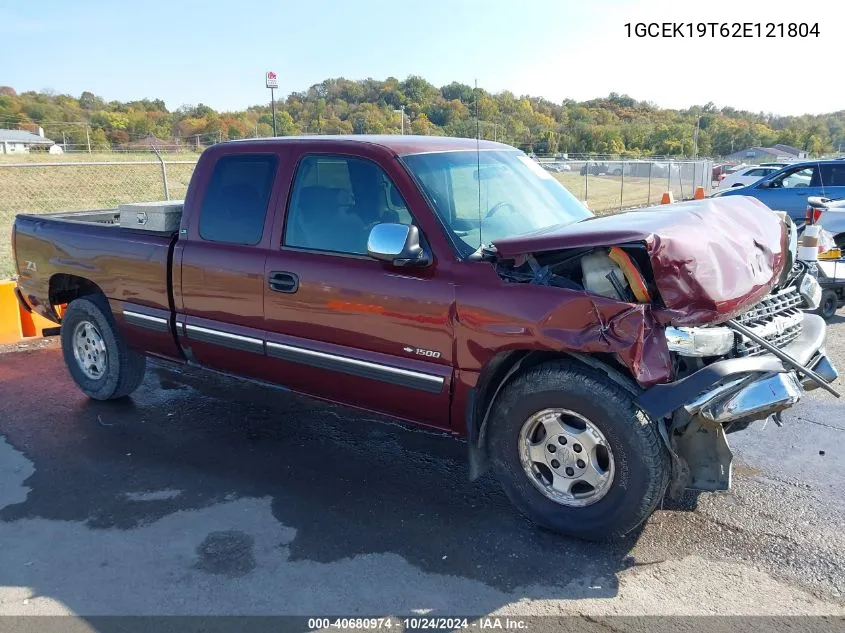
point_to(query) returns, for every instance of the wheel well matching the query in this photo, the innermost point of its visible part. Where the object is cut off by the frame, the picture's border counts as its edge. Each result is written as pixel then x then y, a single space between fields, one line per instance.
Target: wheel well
pixel 505 366
pixel 65 288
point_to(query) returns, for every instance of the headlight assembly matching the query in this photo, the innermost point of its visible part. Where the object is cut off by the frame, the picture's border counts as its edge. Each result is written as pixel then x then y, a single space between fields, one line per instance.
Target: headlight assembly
pixel 811 291
pixel 700 341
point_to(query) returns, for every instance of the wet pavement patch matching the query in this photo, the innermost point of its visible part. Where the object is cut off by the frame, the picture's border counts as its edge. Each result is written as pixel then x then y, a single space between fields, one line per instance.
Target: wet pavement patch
pixel 228 553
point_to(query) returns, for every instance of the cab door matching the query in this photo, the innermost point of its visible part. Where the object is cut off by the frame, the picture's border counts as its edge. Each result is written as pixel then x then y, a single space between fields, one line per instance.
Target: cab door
pixel 222 261
pixel 344 326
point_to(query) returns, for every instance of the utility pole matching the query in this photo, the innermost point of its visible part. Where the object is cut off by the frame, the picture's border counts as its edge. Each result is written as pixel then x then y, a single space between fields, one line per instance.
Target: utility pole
pixel 88 138
pixel 695 138
pixel 401 111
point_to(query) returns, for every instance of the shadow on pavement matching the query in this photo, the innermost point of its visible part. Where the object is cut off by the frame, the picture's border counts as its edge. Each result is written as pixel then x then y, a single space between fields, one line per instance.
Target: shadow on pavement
pixel 347 485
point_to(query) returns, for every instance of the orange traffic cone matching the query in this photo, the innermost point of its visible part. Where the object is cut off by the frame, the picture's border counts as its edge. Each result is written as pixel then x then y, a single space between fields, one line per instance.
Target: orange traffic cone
pixel 667 198
pixel 699 193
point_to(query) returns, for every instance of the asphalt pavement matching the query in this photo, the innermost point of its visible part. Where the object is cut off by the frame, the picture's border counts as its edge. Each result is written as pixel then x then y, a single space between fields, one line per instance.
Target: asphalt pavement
pixel 207 495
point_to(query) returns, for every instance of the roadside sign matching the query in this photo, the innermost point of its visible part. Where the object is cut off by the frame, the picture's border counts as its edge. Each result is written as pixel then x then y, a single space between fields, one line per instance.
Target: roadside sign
pixel 272 79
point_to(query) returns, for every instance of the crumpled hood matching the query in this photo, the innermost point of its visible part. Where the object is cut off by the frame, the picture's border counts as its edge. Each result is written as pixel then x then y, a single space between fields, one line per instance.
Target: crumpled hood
pixel 712 259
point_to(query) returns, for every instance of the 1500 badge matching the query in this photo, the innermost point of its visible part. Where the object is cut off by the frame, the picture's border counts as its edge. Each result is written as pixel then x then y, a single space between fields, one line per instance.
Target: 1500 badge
pixel 419 351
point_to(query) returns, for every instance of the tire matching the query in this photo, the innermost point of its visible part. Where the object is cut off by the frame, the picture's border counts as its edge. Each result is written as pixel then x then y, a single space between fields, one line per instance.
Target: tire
pixel 828 305
pixel 116 370
pixel 640 472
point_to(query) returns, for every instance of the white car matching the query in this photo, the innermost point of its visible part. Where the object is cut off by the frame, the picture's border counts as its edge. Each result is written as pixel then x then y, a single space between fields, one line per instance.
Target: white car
pixel 746 176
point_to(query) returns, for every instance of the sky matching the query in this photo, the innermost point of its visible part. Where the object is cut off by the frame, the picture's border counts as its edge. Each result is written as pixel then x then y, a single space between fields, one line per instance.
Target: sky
pixel 216 52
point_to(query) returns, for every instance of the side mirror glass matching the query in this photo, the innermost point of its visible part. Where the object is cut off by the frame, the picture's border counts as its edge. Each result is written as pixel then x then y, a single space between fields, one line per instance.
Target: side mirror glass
pixel 398 244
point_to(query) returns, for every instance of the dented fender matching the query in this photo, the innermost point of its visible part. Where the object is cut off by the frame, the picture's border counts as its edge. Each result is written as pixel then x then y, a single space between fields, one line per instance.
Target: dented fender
pixel 543 318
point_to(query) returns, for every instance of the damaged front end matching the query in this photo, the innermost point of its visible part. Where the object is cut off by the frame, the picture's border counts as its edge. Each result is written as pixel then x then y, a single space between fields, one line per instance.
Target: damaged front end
pixel 717 282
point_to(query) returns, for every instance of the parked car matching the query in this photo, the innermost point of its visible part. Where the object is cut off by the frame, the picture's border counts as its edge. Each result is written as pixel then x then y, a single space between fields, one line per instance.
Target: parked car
pixel 746 176
pixel 727 170
pixel 594 169
pixel 829 215
pixel 587 367
pixel 557 167
pixel 718 170
pixel 788 188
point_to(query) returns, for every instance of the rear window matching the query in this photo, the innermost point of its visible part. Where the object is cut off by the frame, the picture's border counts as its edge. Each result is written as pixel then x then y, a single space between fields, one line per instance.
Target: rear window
pixel 236 199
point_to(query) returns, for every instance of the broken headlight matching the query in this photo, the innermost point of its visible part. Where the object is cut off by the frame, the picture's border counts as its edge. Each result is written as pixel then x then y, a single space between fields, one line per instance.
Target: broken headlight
pixel 811 291
pixel 700 341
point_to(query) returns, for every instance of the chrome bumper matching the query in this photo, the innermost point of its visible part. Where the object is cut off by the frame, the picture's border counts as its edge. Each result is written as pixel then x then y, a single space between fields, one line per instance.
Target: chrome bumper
pixel 758 397
pixel 726 396
pixel 752 387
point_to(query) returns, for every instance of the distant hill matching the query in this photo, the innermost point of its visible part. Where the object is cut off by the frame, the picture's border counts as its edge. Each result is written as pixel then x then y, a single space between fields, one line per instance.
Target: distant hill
pixel 616 124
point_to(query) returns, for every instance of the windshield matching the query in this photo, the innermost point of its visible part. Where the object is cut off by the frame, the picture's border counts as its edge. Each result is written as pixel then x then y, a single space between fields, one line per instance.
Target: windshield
pixel 516 195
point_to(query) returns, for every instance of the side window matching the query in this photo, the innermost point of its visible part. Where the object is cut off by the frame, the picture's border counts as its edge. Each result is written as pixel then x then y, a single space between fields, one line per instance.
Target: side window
pixel 236 199
pixel 796 178
pixel 756 172
pixel 832 175
pixel 335 202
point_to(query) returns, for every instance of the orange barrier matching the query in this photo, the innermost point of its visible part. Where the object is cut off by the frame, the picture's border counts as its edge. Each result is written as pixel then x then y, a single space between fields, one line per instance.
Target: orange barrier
pixel 10 320
pixel 667 198
pixel 15 322
pixel 699 194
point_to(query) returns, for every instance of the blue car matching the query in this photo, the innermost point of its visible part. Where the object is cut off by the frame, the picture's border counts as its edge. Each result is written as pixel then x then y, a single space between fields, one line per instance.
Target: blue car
pixel 788 188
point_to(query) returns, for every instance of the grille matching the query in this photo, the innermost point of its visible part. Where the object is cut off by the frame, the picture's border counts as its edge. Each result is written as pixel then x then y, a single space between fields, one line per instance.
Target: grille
pixel 777 319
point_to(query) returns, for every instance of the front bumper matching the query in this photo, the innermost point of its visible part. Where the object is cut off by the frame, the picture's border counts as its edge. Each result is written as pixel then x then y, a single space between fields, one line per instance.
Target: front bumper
pixel 749 388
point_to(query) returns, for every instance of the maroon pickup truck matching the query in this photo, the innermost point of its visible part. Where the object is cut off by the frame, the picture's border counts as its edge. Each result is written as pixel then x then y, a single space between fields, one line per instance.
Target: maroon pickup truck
pixel 591 363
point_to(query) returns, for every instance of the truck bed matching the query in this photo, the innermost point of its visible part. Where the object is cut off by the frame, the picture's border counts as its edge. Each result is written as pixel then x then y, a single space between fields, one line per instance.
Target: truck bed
pixel 128 265
pixel 149 217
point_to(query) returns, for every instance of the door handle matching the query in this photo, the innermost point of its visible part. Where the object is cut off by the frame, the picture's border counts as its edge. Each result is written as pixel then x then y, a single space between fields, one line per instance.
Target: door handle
pixel 282 281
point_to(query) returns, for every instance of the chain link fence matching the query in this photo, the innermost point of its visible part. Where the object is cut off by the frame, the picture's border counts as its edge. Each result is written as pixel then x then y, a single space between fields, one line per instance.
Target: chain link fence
pixel 614 185
pixel 41 187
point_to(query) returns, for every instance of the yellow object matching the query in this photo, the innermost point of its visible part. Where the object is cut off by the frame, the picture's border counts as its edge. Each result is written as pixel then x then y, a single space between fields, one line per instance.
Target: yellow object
pixel 833 253
pixel 631 272
pixel 15 322
pixel 10 321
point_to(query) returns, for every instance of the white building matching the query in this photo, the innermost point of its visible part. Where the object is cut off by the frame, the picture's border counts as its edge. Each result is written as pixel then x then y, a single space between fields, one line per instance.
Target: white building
pixel 20 141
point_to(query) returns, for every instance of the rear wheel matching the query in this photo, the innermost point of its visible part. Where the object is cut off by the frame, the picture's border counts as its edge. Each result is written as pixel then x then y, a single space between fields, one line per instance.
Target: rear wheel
pixel 828 305
pixel 97 357
pixel 575 454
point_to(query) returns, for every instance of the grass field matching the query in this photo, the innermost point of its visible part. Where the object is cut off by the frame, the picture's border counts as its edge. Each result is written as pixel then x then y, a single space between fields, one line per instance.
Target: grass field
pixel 610 194
pixel 31 186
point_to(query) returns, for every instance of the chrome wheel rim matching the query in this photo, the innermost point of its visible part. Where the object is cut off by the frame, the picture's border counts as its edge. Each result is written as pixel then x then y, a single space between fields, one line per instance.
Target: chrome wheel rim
pixel 89 350
pixel 566 457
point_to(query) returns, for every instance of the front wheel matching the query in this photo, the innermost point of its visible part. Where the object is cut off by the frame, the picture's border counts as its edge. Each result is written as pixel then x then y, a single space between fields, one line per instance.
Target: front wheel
pixel 98 359
pixel 575 454
pixel 829 303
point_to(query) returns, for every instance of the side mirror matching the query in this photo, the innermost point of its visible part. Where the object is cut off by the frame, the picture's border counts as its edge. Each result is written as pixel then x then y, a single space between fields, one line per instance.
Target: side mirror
pixel 398 244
